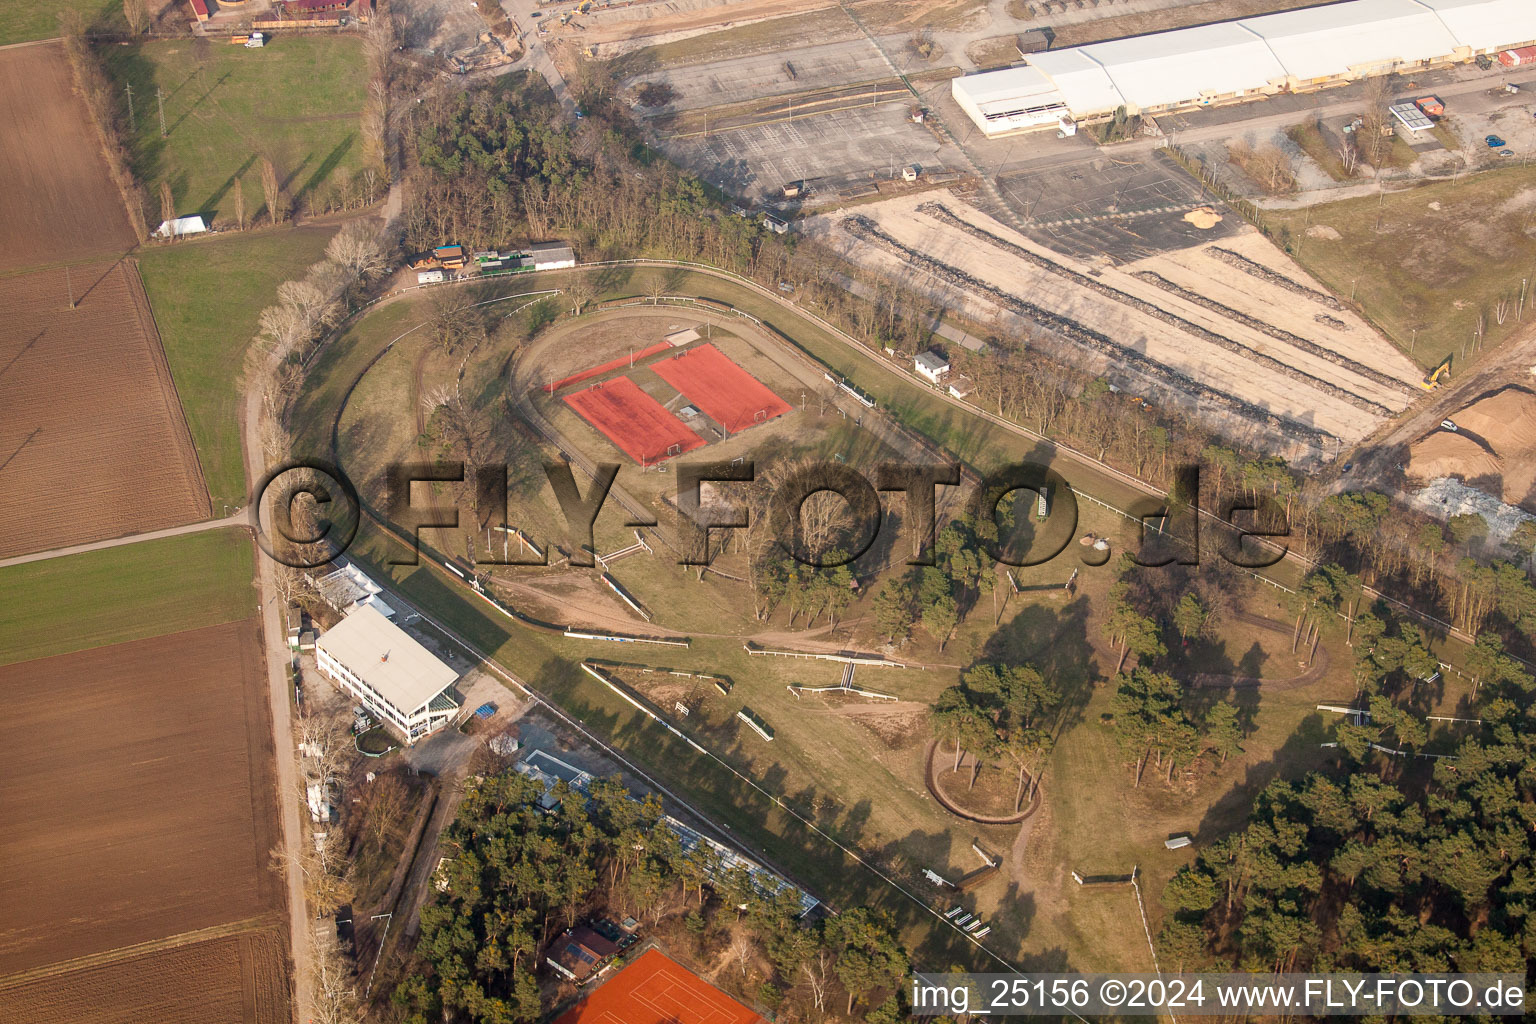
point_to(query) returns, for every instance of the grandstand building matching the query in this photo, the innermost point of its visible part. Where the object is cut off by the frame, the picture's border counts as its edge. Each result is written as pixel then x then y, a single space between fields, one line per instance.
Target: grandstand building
pixel 1293 51
pixel 397 680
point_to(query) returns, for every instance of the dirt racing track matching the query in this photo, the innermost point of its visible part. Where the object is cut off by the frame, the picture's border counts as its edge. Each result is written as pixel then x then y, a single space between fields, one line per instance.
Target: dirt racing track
pixel 1213 328
pixel 93 443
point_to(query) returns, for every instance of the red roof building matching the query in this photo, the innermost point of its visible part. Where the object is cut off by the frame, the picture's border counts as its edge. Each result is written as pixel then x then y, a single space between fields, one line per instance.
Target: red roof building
pixel 579 952
pixel 200 8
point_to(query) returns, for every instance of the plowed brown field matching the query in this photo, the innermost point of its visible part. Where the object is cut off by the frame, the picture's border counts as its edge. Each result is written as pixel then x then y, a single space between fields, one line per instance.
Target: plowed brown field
pixel 60 203
pixel 140 804
pixel 236 978
pixel 93 443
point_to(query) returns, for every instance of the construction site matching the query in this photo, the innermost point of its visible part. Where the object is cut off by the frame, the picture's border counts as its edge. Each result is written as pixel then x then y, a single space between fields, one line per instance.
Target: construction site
pixel 1230 331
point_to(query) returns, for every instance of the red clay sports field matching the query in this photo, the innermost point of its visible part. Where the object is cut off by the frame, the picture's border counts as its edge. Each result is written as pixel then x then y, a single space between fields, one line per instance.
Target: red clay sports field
pixel 612 364
pixel 633 420
pixel 723 391
pixel 656 990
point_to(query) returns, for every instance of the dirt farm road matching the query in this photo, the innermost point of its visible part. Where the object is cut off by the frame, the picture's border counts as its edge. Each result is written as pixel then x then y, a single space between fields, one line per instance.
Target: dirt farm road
pixel 238 519
pixel 274 636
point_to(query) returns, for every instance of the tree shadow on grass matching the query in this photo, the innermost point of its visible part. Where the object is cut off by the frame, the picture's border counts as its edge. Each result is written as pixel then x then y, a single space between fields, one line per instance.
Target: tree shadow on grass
pixel 1301 753
pixel 327 166
pixel 210 206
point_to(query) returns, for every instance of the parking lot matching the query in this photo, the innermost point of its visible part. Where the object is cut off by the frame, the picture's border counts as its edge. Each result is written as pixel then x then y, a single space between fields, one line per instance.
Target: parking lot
pixel 833 151
pixel 756 76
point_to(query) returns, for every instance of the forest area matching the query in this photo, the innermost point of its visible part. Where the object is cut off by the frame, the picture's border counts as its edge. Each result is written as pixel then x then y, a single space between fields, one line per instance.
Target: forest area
pixel 518 876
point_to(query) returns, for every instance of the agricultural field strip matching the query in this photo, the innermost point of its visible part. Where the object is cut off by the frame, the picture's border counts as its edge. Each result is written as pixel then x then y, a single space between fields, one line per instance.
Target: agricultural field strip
pixel 106 956
pixel 61 204
pixel 164 831
pixel 94 421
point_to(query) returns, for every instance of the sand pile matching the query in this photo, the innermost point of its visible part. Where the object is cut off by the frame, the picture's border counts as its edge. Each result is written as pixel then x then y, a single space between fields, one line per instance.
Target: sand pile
pixel 1505 421
pixel 1203 218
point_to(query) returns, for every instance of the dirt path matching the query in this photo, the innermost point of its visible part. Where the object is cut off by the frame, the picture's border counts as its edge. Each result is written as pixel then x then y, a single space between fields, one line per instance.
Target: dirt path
pixel 277 656
pixel 241 518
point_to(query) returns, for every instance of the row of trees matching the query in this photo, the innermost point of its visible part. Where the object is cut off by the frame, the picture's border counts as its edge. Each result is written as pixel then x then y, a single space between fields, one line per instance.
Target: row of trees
pixel 96 90
pixel 517 876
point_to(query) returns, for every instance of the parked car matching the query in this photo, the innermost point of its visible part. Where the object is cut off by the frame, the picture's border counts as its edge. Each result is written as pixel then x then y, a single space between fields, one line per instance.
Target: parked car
pixel 1506 152
pixel 1493 141
pixel 1448 425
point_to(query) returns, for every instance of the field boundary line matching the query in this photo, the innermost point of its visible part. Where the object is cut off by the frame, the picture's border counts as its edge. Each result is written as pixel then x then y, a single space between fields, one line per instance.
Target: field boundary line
pixel 109 956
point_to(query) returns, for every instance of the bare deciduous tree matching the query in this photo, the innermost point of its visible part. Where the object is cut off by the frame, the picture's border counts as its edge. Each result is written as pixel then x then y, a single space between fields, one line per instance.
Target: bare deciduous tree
pixel 359 247
pixel 387 799
pixel 239 204
pixel 272 189
pixel 455 321
pixel 333 985
pixel 136 14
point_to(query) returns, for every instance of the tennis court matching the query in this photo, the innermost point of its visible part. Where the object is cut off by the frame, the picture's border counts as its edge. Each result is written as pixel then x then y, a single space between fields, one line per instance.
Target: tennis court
pixel 634 421
pixel 612 364
pixel 725 392
pixel 657 990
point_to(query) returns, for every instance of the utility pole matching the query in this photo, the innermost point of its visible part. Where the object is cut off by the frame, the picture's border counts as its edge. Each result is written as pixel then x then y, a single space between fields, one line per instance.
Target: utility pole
pixel 69 283
pixel 133 122
pixel 160 100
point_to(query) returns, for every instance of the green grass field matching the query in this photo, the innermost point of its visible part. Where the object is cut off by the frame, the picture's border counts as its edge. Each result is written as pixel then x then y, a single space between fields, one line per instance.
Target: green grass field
pixel 1444 255
pixel 21 22
pixel 124 593
pixel 297 102
pixel 207 297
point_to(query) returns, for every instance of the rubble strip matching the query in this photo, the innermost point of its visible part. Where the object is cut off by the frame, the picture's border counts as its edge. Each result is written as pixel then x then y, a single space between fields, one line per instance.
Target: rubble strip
pixel 866 230
pixel 942 213
pixel 1278 333
pixel 1263 273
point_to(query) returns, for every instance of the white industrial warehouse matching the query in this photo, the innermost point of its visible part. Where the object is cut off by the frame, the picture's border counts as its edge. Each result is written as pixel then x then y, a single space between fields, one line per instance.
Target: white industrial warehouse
pixel 1292 51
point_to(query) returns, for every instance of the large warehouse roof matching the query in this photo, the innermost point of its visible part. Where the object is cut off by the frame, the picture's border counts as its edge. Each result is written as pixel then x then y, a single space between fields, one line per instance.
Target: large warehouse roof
pixel 1205 62
pixel 1081 80
pixel 1181 67
pixel 1486 24
pixel 385 657
pixel 1319 42
pixel 1003 90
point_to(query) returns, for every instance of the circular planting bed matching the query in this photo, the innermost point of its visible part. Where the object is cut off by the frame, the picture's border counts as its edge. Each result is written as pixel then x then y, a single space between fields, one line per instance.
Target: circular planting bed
pixel 989 802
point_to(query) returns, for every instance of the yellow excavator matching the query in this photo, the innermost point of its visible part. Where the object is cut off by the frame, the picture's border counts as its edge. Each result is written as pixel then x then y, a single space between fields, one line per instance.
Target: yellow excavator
pixel 1432 379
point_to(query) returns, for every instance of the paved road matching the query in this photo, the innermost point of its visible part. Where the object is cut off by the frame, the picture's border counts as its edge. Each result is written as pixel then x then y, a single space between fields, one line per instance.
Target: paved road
pixel 238 519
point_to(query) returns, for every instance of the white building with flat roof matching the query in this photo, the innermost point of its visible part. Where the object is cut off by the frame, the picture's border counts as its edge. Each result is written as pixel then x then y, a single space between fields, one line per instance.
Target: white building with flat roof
pixel 400 682
pixel 1010 100
pixel 1291 51
pixel 931 365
